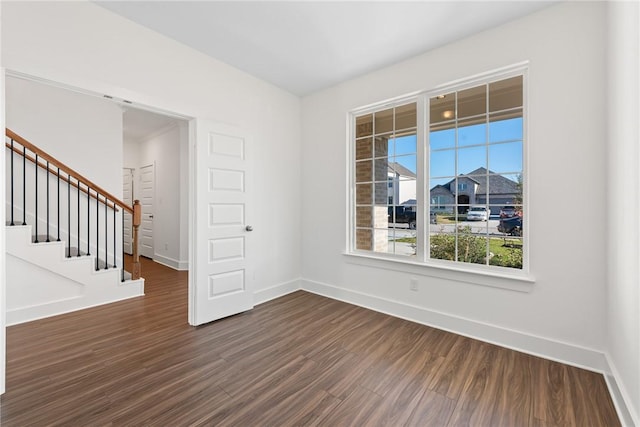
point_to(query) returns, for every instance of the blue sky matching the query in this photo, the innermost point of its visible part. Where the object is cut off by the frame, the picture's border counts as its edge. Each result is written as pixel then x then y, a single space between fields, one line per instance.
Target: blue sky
pixel 503 157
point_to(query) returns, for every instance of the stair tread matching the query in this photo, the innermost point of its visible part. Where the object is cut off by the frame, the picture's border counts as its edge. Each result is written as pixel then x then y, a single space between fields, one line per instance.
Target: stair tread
pixel 72 251
pixel 101 265
pixel 42 238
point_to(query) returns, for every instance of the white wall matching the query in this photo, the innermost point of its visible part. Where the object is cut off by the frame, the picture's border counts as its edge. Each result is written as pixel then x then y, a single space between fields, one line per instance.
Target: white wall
pixel 563 315
pixel 623 137
pixel 130 152
pixel 83 132
pixel 83 45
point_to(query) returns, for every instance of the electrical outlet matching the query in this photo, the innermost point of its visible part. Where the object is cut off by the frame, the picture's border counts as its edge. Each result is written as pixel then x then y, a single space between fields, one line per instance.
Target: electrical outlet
pixel 413 284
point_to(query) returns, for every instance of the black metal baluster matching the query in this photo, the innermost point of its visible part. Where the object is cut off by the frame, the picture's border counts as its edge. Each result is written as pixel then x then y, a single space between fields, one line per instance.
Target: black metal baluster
pixel 69 215
pixel 115 262
pixel 24 186
pixel 97 231
pixel 12 183
pixel 106 233
pixel 122 272
pixel 78 217
pixel 58 204
pixel 36 220
pixel 48 201
pixel 88 220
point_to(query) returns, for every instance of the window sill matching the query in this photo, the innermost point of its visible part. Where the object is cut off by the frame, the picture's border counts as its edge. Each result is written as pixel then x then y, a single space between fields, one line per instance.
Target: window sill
pixel 514 281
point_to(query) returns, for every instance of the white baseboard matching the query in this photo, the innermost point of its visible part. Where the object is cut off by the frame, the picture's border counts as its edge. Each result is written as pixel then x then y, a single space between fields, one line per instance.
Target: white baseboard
pixel 538 346
pixel 171 263
pixel 629 416
pixel 282 289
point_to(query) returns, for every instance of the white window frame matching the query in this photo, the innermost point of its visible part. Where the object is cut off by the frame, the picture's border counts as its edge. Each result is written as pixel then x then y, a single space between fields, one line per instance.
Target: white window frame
pixel 496 276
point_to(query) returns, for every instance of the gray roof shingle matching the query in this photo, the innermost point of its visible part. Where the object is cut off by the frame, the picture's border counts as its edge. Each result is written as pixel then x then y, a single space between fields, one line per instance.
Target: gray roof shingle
pixel 498 184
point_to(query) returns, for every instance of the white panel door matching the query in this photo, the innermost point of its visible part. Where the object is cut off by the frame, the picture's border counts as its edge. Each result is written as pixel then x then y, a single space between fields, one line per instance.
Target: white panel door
pixel 127 197
pixel 223 276
pixel 147 179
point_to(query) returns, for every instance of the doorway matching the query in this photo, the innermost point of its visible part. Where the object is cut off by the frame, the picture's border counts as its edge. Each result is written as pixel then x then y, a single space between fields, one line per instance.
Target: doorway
pixel 190 143
pixel 463 203
pixel 104 133
pixel 156 147
pixel 43 111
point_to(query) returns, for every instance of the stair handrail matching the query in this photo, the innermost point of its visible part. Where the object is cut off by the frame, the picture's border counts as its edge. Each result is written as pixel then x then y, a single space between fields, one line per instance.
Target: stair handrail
pixel 135 210
pixel 68 179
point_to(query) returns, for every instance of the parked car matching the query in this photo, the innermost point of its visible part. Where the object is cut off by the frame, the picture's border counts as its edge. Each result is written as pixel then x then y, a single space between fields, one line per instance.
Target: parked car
pixel 508 212
pixel 403 215
pixel 511 226
pixel 478 213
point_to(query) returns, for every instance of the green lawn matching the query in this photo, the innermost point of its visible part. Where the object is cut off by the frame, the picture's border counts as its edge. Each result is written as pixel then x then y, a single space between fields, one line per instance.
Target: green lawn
pixel 498 245
pixel 411 240
pixel 506 252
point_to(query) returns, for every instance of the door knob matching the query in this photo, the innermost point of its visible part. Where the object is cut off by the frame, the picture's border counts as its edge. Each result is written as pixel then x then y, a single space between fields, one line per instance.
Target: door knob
pixel 150 216
pixel 249 228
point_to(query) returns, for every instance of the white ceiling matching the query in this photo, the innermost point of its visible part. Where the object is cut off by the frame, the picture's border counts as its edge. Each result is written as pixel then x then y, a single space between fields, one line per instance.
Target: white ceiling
pixel 139 124
pixel 305 46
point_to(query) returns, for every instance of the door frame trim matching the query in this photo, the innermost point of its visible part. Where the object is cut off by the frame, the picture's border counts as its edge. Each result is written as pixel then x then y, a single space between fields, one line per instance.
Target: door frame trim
pixel 3 273
pixel 191 215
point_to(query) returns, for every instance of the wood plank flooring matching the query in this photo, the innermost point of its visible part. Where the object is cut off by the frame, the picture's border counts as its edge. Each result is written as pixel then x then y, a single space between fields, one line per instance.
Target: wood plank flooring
pixel 299 360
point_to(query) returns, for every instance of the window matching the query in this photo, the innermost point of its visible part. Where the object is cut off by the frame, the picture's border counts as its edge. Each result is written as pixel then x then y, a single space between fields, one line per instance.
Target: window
pixel 471 165
pixel 385 153
pixel 438 203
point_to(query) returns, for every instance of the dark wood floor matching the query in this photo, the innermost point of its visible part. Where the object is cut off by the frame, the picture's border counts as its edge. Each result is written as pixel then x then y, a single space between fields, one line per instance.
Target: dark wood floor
pixel 300 360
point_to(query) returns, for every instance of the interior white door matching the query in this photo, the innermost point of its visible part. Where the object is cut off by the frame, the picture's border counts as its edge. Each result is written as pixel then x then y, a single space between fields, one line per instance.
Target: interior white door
pixel 222 273
pixel 127 197
pixel 147 179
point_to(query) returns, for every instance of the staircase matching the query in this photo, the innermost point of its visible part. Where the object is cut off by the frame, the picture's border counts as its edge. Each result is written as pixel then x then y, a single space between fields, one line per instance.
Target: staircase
pixel 64 238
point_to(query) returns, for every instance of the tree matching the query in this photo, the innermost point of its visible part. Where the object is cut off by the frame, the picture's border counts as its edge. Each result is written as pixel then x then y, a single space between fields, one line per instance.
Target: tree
pixel 518 199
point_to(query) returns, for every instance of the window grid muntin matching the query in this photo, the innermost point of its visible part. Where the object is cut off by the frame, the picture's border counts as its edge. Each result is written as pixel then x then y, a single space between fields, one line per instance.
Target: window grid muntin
pixel 375 178
pixel 519 71
pixel 458 173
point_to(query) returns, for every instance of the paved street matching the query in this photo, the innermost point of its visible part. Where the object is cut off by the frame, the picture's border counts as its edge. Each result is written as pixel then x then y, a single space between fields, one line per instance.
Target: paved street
pixel 479 227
